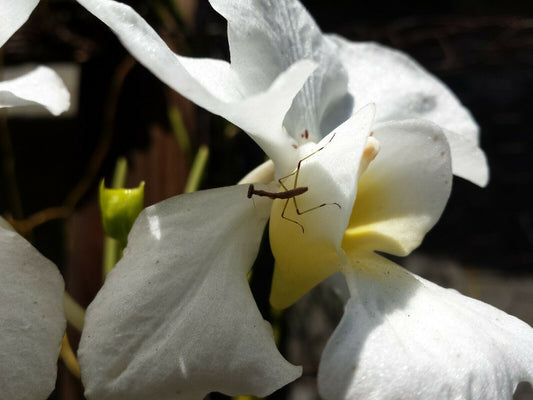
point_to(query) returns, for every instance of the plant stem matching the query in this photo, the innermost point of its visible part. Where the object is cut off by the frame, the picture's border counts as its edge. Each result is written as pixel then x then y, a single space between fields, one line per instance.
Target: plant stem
pixel 68 357
pixel 74 313
pixel 180 131
pixel 112 247
pixel 197 170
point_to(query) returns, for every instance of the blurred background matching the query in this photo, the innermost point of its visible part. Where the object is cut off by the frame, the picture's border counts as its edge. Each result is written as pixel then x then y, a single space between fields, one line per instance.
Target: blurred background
pixel 51 167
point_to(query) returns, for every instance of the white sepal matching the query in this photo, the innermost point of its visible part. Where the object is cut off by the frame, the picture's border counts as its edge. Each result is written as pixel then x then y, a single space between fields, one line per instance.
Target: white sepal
pixel 213 84
pixel 329 171
pixel 265 38
pixel 13 13
pixel 402 89
pixel 468 160
pixel 31 319
pixel 40 86
pixel 175 318
pixel 404 338
pixel 404 190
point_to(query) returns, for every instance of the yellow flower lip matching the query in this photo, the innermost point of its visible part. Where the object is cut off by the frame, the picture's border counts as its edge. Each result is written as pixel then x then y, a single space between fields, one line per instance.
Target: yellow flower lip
pixel 302 260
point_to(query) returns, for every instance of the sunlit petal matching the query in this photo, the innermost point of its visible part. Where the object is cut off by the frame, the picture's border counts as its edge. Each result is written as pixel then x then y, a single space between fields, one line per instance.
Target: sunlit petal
pixel 404 338
pixel 404 190
pixel 175 318
pixel 212 84
pixel 402 89
pixel 13 13
pixel 265 40
pixel 40 86
pixel 305 246
pixel 31 319
pixel 468 160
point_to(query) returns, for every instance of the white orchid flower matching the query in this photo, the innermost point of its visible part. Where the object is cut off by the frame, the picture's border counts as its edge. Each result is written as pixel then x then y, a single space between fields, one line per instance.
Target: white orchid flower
pixel 42 85
pixel 175 319
pixel 31 319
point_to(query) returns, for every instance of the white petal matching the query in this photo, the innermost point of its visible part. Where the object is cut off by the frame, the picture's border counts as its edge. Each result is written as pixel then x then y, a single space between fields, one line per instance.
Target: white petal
pixel 404 190
pixel 404 338
pixel 329 171
pixel 266 38
pixel 13 13
pixel 42 86
pixel 31 319
pixel 402 89
pixel 468 160
pixel 261 116
pixel 211 84
pixel 305 246
pixel 175 318
pixel 263 173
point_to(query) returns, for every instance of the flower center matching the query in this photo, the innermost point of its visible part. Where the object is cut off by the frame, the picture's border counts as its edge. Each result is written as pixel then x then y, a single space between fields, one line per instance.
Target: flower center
pixel 305 259
pixel 370 152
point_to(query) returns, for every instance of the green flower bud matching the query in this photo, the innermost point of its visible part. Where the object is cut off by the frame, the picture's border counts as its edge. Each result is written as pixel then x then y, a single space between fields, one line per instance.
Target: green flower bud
pixel 120 208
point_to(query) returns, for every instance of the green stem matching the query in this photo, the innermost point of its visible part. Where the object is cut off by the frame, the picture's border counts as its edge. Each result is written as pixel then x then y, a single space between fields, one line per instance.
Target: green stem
pixel 120 173
pixel 112 247
pixel 74 313
pixel 112 254
pixel 180 131
pixel 69 358
pixel 197 170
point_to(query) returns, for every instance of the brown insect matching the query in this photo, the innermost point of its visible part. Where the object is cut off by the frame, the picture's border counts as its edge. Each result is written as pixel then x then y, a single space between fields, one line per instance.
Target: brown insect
pixel 290 193
pixel 278 195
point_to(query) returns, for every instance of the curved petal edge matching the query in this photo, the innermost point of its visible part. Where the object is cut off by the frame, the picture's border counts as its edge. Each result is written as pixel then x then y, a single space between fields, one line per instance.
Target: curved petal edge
pixel 405 338
pixel 176 318
pixel 404 190
pixel 41 86
pixel 32 323
pixel 403 89
pixel 12 15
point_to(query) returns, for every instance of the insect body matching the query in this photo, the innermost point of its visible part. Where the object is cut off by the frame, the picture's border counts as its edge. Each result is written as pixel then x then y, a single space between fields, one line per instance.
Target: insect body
pixel 280 195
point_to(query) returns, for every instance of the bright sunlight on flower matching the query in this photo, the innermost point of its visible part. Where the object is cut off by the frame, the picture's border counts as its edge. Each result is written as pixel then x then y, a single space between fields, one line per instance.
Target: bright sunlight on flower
pixel 364 145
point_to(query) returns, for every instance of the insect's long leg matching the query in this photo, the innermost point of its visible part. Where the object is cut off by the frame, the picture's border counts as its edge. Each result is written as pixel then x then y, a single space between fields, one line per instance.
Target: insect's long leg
pixel 297 173
pixel 280 180
pixel 314 208
pixel 288 219
pixel 296 182
pixel 283 178
pixel 305 158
